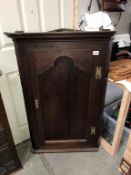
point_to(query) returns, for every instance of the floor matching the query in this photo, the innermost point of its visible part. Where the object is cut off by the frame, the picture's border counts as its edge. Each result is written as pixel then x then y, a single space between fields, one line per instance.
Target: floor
pixel 81 163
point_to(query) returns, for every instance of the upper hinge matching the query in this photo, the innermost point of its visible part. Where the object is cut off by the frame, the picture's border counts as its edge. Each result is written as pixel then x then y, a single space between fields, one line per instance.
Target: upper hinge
pixel 98 74
pixel 93 130
pixel 36 101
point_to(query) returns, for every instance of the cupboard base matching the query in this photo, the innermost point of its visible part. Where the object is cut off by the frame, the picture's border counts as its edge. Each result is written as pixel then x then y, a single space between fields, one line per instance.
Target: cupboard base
pixel 64 150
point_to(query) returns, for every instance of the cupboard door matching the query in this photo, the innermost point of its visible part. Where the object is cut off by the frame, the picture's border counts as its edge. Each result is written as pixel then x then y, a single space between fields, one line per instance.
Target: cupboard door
pixel 61 83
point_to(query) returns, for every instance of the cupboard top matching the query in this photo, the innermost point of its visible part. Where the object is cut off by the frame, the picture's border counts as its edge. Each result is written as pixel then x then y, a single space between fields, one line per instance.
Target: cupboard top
pixel 59 34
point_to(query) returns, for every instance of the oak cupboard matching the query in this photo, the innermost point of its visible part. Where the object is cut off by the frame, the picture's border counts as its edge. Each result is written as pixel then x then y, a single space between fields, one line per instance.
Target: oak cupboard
pixel 63 75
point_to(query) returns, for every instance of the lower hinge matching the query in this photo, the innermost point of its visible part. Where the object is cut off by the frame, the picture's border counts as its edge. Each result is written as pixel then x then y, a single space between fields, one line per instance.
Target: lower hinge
pixel 98 73
pixel 93 130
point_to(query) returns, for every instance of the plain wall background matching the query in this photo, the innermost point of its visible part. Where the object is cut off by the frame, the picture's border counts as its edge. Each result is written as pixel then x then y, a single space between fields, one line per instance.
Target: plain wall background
pixel 124 23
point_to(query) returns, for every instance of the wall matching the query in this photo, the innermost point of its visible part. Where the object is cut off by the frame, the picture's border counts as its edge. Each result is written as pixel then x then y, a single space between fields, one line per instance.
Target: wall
pixel 123 26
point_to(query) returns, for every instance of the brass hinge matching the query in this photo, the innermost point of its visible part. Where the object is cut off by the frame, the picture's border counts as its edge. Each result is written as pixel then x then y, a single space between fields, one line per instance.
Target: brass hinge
pixel 93 130
pixel 36 101
pixel 98 73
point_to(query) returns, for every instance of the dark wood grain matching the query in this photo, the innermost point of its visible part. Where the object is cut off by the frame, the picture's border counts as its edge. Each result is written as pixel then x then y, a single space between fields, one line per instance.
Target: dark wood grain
pixel 58 69
pixel 9 161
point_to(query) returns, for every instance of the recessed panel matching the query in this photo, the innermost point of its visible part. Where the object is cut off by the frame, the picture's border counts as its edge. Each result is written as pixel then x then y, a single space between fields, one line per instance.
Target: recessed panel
pixel 64 99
